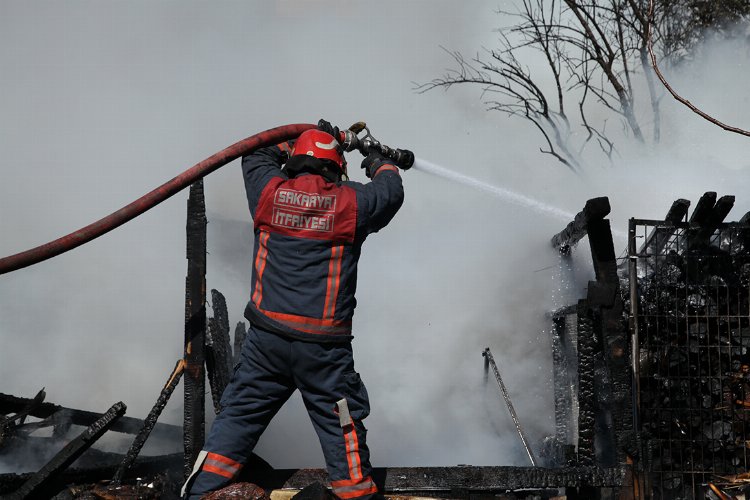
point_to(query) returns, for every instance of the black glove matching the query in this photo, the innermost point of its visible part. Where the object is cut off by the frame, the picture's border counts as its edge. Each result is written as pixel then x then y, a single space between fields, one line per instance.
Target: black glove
pixel 373 162
pixel 326 127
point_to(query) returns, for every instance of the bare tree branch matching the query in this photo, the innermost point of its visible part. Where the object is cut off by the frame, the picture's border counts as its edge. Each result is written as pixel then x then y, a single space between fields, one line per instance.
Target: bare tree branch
pixel 596 57
pixel 681 99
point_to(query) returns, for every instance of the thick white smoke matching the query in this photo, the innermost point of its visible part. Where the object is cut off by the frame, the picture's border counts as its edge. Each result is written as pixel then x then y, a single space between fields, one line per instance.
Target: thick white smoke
pixel 101 102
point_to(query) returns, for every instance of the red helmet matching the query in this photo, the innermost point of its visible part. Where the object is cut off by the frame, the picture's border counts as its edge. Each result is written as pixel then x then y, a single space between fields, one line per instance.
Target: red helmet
pixel 321 145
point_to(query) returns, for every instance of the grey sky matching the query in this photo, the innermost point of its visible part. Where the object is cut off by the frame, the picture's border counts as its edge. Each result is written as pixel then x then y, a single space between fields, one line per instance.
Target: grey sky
pixel 101 101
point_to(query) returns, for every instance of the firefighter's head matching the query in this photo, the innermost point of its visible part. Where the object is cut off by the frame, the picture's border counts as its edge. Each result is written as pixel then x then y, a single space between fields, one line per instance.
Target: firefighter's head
pixel 317 152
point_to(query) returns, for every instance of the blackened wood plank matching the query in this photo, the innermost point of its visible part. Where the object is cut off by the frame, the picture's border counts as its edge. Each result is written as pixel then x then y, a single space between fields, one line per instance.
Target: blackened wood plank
pixel 659 236
pixel 595 209
pixel 195 327
pixel 128 425
pixel 150 422
pixel 703 208
pixel 218 348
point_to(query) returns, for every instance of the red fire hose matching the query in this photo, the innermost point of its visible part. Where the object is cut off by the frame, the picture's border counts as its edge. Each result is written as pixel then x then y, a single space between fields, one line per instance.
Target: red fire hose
pixel 150 200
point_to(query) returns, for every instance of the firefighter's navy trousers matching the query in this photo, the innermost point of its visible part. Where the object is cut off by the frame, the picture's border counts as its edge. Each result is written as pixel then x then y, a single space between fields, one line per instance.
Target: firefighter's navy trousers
pixel 271 367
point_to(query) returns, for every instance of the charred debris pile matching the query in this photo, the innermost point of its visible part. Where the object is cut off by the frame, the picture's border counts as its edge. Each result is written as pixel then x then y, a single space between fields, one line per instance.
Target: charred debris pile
pixel 652 368
pixel 651 383
pixel 692 322
pixel 77 469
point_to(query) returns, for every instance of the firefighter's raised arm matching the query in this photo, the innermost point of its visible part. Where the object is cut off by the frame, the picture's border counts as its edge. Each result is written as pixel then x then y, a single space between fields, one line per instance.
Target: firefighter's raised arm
pixel 260 167
pixel 384 194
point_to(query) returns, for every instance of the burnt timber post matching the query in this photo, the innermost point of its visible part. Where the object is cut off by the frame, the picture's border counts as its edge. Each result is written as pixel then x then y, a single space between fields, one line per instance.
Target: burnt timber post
pixel 195 327
pixel 588 347
pixel 61 416
pixel 586 385
pixel 149 422
pixel 218 349
pixel 606 301
pixel 604 431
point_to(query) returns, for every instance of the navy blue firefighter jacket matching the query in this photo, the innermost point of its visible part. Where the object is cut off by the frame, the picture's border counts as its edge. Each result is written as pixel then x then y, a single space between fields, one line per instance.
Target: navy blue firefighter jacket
pixel 308 238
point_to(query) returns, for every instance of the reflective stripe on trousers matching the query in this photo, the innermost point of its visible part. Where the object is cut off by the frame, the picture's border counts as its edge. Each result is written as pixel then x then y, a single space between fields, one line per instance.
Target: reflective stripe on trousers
pixel 356 485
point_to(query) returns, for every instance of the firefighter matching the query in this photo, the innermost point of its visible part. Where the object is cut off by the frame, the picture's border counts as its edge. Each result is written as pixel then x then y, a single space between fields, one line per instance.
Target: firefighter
pixel 310 222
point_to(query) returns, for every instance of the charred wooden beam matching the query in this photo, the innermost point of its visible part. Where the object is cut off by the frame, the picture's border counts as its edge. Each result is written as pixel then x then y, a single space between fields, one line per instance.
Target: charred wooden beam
pixel 659 236
pixel 602 251
pixel 595 209
pixel 678 211
pixel 218 349
pixel 35 486
pixel 239 338
pixel 148 424
pixel 711 222
pixel 615 395
pixel 63 415
pixel 195 326
pixel 722 208
pixel 703 208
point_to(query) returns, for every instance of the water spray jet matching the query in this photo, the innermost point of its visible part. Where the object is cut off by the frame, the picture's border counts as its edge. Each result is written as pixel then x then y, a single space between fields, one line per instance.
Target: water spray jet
pixel 499 192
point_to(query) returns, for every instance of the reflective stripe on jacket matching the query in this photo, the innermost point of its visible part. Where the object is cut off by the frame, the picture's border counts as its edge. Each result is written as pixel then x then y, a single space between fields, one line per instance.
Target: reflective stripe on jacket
pixel 308 237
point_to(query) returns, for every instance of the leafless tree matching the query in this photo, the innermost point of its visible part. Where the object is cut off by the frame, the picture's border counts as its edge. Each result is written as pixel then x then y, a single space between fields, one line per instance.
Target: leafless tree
pixel 595 54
